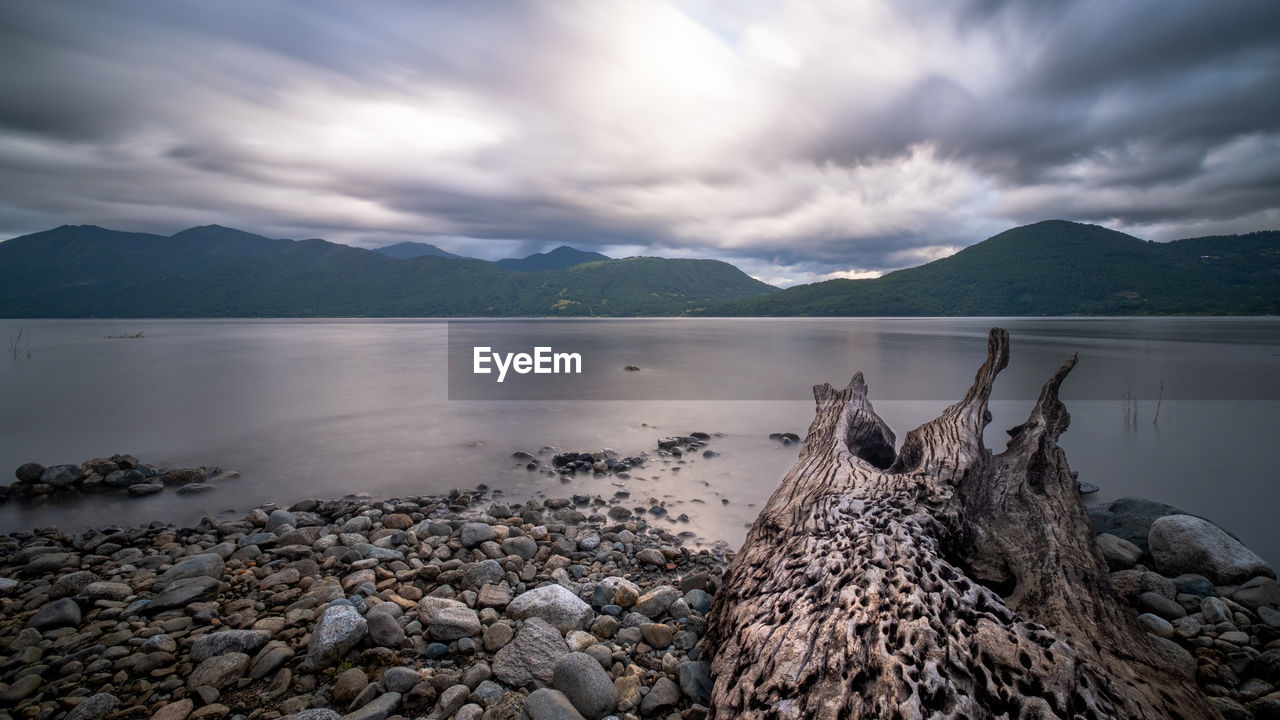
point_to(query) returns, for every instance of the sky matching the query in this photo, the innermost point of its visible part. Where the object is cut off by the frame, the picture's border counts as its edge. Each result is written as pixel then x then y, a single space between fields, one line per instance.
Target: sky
pixel 799 140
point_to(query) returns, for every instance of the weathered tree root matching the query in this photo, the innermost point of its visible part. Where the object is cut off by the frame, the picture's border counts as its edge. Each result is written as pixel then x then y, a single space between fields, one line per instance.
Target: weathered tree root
pixel 940 581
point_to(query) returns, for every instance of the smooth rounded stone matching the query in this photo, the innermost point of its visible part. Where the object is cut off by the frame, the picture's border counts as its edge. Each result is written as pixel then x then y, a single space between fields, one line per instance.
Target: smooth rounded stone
pixel 494 596
pixel 1155 625
pixel 175 710
pixel 651 556
pixel 549 704
pixel 1157 604
pixel 203 565
pixel 605 626
pixel 521 545
pixel 378 709
pixel 94 707
pixel 554 603
pixel 50 563
pixel 60 476
pixel 1258 592
pixel 144 489
pixel 1235 637
pixel 624 592
pixel 184 476
pixel 1193 584
pixel 531 657
pixel 1119 554
pixel 194 488
pixel 586 685
pixel 474 533
pixel 497 635
pixel 384 630
pixel 269 659
pixel 1270 616
pixel 1230 709
pixel 1129 518
pixel 1187 544
pixel 219 671
pixel 448 620
pixel 314 714
pixel 72 583
pixel 698 600
pixel 278 519
pixel 339 629
pixel 1215 611
pixel 655 602
pixel 618 512
pixel 478 574
pixel 470 711
pixel 695 680
pixel 29 472
pixel 347 685
pixel 20 689
pixel 452 698
pixel 100 590
pixel 59 613
pixel 658 635
pixel 400 679
pixel 181 593
pixel 225 641
pixel 664 694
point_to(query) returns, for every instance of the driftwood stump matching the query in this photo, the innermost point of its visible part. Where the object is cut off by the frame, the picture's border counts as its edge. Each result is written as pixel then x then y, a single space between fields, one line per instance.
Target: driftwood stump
pixel 937 581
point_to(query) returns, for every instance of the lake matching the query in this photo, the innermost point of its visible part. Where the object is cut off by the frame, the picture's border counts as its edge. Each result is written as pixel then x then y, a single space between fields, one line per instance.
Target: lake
pixel 323 408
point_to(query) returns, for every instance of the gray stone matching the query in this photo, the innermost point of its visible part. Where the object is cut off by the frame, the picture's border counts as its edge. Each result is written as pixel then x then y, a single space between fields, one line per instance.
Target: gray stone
pixel 1193 584
pixel 1269 616
pixel 475 533
pixel 384 630
pixel 1160 605
pixel 1129 518
pixel 586 685
pixel 94 707
pixel 219 671
pixel 695 680
pixel 347 685
pixel 60 476
pixel 314 714
pixel 1119 554
pixel 1258 592
pixel 699 600
pixel 107 591
pixel 269 659
pixel 664 694
pixel 225 641
pixel 339 629
pixel 59 613
pixel 450 700
pixel 72 583
pixel 532 656
pixel 497 635
pixel 1155 625
pixel 448 620
pixel 651 556
pixel 1215 611
pixel 1187 544
pixel 1178 657
pixel 178 710
pixel 520 545
pixel 655 602
pixel 554 603
pixel 205 565
pixel 548 704
pixel 181 593
pixel 400 679
pixel 477 574
pixel 145 489
pixel 20 689
pixel 277 519
pixel 378 709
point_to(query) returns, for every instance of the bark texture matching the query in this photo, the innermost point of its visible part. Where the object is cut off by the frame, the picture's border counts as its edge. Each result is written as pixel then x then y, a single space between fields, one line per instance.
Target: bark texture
pixel 937 581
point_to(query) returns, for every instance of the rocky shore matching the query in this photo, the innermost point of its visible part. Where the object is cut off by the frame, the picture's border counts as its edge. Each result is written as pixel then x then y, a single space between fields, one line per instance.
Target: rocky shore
pixel 464 606
pixel 439 607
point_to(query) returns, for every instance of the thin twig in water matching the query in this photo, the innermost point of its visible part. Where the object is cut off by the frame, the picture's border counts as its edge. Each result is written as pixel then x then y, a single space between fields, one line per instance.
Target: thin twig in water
pixel 1159 398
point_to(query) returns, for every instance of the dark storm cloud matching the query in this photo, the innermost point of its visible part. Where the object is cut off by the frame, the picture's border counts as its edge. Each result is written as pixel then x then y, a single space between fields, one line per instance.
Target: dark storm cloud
pixel 795 140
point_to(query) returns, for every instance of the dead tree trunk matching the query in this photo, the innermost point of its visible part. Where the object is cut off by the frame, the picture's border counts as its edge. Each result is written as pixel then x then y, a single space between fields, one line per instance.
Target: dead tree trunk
pixel 940 581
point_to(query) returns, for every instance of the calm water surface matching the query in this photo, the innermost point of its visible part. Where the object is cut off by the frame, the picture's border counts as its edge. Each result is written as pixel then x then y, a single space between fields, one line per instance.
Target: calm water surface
pixel 322 408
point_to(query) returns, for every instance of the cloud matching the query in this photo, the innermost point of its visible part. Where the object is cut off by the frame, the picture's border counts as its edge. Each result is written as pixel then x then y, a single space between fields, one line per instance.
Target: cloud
pixel 800 140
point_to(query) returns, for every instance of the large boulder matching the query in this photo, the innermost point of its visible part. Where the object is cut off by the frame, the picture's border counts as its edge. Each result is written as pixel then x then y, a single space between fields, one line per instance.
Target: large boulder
pixel 581 678
pixel 554 603
pixel 1129 518
pixel 339 629
pixel 1187 544
pixel 531 658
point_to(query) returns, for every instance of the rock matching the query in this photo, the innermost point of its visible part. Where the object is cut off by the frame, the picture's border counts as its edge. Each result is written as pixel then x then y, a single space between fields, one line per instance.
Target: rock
pixel 400 679
pixel 655 602
pixel 193 488
pixel 448 620
pixel 94 707
pixel 1187 544
pixel 1230 709
pixel 59 613
pixel 1193 584
pixel 695 680
pixel 1119 554
pixel 384 630
pixel 22 688
pixel 657 635
pixel 181 593
pixel 72 583
pixel 205 565
pixel 554 603
pixel 530 658
pixel 1178 657
pixel 1235 637
pixel 699 600
pixel 1160 605
pixel 494 596
pixel 144 489
pixel 313 714
pixel 548 704
pixel 339 629
pixel 397 521
pixel 225 641
pixel 269 659
pixel 1129 518
pixel 586 685
pixel 475 533
pixel 278 519
pixel 664 694
pixel 378 709
pixel 1258 592
pixel 176 710
pixel 184 476
pixel 497 635
pixel 478 574
pixel 1155 625
pixel 219 671
pixel 29 472
pixel 60 476
pixel 450 700
pixel 1269 616
pixel 347 685
pixel 520 545
pixel 651 556
pixel 1215 611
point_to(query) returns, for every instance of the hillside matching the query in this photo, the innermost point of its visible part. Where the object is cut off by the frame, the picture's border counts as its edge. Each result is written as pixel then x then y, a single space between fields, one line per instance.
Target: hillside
pixel 88 271
pixel 1055 268
pixel 406 250
pixel 558 259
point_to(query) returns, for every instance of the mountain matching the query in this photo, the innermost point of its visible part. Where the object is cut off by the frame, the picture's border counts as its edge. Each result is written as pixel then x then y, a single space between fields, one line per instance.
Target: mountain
pixel 88 271
pixel 558 259
pixel 406 250
pixel 1055 268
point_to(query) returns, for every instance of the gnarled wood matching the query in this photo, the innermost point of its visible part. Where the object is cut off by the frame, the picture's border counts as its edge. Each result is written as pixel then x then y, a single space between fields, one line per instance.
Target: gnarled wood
pixel 940 581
